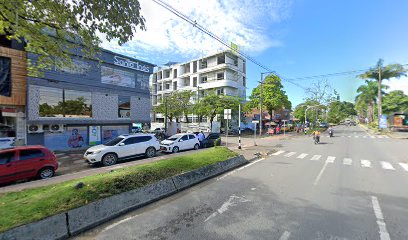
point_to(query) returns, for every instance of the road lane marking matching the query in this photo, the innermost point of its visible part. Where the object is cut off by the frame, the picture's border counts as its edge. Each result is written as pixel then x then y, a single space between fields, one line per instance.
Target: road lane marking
pixel 290 154
pixel 315 157
pixel 349 136
pixel 364 136
pixel 384 235
pixel 303 155
pixel 278 153
pixel 330 159
pixel 232 201
pixel 356 136
pixel 320 173
pixel 372 136
pixel 347 161
pixel 366 163
pixel 118 223
pixel 404 166
pixel 239 169
pixel 387 165
pixel 285 236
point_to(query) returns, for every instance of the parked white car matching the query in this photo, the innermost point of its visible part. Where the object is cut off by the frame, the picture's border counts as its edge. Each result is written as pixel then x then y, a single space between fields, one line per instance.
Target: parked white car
pixel 179 142
pixel 123 147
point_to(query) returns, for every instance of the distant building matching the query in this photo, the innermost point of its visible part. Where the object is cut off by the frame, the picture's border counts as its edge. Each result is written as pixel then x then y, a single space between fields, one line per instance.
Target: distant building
pixel 223 73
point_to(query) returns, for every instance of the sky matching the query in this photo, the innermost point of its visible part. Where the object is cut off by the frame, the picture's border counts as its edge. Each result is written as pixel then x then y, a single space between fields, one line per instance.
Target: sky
pixel 295 38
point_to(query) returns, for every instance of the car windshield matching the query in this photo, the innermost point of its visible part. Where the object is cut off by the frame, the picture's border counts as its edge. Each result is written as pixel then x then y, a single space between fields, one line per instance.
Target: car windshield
pixel 172 138
pixel 114 141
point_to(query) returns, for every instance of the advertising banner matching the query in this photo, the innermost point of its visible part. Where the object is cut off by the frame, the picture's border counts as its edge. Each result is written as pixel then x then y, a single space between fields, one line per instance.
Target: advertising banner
pixel 94 135
pixel 117 77
pixel 383 123
pixel 73 137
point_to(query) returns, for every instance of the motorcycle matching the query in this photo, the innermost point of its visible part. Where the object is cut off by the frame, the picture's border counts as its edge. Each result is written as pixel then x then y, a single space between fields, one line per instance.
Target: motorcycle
pixel 331 133
pixel 316 139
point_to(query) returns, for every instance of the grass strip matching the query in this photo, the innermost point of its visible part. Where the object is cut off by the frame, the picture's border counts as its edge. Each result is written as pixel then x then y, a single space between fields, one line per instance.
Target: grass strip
pixel 18 208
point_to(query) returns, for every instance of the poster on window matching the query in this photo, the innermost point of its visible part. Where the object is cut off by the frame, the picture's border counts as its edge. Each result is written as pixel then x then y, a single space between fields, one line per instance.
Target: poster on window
pixel 94 135
pixel 71 138
pixel 111 132
pixel 117 77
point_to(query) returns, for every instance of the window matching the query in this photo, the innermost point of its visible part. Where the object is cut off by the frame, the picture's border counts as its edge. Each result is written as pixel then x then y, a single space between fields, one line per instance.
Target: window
pixel 5 76
pixel 194 67
pixel 220 76
pixel 204 79
pixel 77 67
pixel 203 64
pixel 191 136
pixel 175 73
pixel 55 102
pixel 117 77
pixel 30 154
pixel 214 136
pixel 160 87
pixel 174 85
pixel 194 81
pixel 124 106
pixel 7 157
pixel 243 81
pixel 220 91
pixel 221 59
pixel 114 141
pixel 167 86
pixel 143 81
pixel 145 138
pixel 184 138
pixel 132 140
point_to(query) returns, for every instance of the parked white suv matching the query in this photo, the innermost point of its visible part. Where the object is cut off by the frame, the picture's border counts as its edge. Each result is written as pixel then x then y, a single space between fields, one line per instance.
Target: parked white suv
pixel 178 142
pixel 123 147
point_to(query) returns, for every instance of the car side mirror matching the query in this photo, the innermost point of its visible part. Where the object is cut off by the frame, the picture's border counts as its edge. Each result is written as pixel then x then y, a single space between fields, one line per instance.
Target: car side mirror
pixel 121 144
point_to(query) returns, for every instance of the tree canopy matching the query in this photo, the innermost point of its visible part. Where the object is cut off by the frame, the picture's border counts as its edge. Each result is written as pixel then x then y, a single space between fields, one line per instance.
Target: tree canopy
pixel 339 111
pixel 175 105
pixel 395 101
pixel 273 95
pixel 54 28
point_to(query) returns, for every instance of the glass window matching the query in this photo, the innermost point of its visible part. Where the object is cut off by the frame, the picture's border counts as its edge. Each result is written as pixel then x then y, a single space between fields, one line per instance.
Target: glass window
pixel 124 106
pixel 7 157
pixel 143 80
pixel 30 154
pixel 55 102
pixel 51 102
pixel 145 138
pixel 5 76
pixel 118 77
pixel 132 140
pixel 114 141
pixel 77 104
pixel 185 137
pixel 191 136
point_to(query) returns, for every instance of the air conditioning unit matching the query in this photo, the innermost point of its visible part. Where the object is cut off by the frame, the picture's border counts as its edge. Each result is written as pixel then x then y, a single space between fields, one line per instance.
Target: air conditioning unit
pixel 57 127
pixel 35 128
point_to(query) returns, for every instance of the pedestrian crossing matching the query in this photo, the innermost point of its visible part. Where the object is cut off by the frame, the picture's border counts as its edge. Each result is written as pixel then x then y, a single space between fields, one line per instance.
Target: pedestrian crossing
pixel 361 136
pixel 346 161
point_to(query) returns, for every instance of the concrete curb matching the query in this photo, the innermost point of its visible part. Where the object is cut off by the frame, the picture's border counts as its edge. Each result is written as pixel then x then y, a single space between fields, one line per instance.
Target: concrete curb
pixel 75 221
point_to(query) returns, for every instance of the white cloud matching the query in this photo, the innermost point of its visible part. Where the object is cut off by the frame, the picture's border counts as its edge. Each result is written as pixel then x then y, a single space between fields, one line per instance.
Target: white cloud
pixel 244 22
pixel 398 84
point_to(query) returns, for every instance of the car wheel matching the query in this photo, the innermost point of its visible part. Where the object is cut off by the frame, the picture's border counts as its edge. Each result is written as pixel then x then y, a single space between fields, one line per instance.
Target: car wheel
pixel 109 159
pixel 196 146
pixel 176 149
pixel 46 172
pixel 150 152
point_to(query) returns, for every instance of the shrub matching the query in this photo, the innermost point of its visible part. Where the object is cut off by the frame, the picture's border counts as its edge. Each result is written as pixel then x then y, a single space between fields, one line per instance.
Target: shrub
pixel 217 142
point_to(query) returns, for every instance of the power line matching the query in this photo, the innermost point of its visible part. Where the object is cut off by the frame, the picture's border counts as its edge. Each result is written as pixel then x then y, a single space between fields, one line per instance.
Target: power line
pixel 209 33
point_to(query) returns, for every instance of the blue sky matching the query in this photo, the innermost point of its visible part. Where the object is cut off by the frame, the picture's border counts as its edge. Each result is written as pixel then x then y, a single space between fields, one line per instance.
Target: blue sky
pixel 295 38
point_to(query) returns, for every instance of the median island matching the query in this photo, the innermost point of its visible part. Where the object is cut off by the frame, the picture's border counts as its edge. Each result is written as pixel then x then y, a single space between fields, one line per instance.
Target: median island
pixel 30 205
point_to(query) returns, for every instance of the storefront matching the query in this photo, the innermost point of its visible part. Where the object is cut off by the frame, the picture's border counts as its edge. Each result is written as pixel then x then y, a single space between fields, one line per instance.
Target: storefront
pixel 13 72
pixel 89 103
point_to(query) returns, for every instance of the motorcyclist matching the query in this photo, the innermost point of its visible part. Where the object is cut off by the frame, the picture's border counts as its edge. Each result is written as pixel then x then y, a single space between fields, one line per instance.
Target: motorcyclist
pixel 331 131
pixel 316 135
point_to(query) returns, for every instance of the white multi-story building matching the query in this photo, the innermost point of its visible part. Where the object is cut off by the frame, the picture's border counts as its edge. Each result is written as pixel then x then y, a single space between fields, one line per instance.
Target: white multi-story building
pixel 223 72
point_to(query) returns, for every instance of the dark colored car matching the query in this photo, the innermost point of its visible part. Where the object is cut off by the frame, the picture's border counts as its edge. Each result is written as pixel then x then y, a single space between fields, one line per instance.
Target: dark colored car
pixel 210 139
pixel 26 162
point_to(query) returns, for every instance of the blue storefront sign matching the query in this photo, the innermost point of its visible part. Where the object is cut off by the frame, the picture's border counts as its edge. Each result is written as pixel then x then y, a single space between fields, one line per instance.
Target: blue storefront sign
pixel 383 123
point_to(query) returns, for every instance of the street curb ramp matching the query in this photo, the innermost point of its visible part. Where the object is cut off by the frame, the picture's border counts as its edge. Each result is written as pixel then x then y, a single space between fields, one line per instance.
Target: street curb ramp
pixel 75 221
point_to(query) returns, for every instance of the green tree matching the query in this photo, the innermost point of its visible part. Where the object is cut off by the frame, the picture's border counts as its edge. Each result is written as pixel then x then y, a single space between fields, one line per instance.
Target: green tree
pixel 54 28
pixel 273 95
pixel 381 72
pixel 395 101
pixel 300 110
pixel 175 105
pixel 339 111
pixel 368 96
pixel 212 105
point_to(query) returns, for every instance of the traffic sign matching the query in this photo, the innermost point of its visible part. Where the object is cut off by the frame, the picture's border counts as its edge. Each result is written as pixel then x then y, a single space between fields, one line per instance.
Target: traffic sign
pixel 227 113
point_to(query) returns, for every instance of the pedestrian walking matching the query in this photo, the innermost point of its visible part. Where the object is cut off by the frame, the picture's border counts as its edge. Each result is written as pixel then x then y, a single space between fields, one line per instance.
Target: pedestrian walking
pixel 201 138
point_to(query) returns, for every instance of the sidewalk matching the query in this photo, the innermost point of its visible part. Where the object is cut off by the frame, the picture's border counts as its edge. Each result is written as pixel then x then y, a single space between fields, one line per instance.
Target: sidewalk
pixel 395 135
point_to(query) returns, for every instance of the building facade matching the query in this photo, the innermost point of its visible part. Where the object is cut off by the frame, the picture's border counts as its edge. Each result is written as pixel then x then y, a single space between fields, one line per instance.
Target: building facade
pixel 13 72
pixel 89 102
pixel 223 73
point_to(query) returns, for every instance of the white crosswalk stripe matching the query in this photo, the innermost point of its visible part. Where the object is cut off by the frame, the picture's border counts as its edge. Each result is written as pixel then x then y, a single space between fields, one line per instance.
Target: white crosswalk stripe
pixel 330 159
pixel 372 136
pixel 387 165
pixel 364 136
pixel 366 163
pixel 290 154
pixel 349 136
pixel 356 136
pixel 303 155
pixel 278 153
pixel 316 157
pixel 404 166
pixel 347 161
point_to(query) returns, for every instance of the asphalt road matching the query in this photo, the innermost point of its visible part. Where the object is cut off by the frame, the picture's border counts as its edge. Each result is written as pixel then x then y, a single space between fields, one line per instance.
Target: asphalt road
pixel 352 186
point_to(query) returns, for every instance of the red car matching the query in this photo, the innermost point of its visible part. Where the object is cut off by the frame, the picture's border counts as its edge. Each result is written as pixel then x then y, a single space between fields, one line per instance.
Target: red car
pixel 26 162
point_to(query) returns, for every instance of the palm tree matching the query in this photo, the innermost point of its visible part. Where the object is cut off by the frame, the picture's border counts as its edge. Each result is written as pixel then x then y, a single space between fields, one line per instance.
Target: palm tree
pixel 379 73
pixel 368 95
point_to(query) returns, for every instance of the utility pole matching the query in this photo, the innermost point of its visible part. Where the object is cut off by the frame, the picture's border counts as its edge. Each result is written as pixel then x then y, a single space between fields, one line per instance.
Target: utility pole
pixel 239 126
pixel 198 100
pixel 379 95
pixel 260 109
